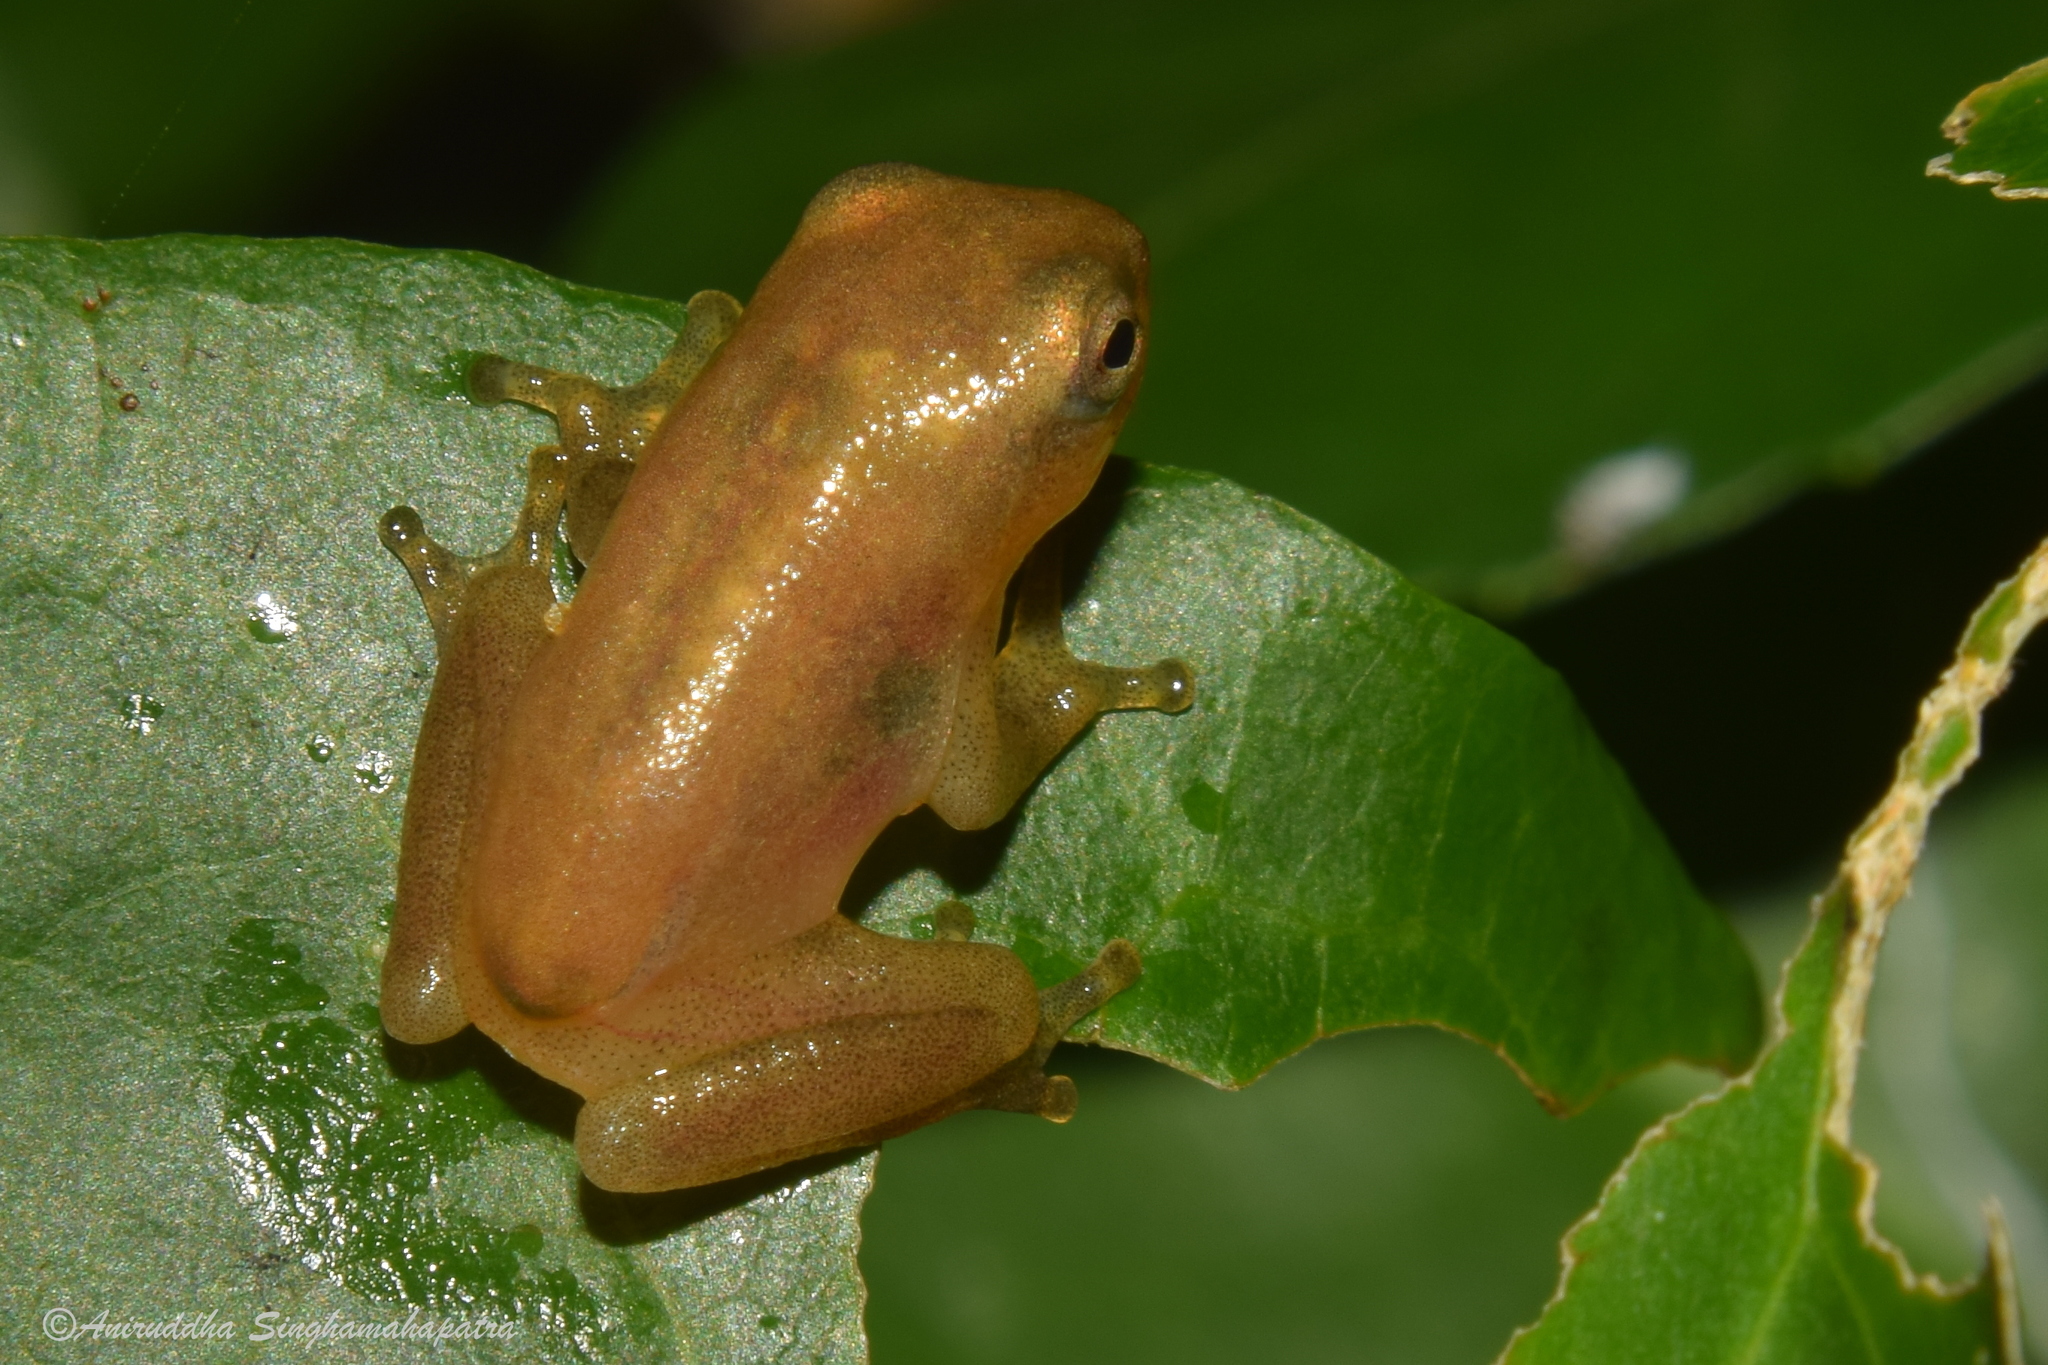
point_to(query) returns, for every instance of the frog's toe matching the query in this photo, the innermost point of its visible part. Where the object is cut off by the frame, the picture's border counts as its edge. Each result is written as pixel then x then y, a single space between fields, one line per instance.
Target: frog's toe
pixel 1059 1100
pixel 494 379
pixel 1063 1005
pixel 1168 686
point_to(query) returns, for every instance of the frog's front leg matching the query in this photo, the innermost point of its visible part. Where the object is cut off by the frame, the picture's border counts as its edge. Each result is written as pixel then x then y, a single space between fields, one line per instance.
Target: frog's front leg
pixel 1017 710
pixel 604 428
pixel 886 1035
pixel 490 615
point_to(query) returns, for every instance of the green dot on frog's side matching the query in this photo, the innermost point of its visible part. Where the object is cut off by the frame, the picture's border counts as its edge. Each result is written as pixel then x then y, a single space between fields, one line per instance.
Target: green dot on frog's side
pixel 320 748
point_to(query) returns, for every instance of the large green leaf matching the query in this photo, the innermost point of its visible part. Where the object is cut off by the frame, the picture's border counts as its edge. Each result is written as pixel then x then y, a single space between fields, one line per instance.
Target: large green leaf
pixel 1380 810
pixel 1420 267
pixel 2001 136
pixel 1733 1233
pixel 1384 812
pixel 1742 1229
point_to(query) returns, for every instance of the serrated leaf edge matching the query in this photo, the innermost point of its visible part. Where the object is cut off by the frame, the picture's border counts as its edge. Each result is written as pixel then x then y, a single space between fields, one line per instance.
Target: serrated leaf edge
pixel 1956 128
pixel 1875 875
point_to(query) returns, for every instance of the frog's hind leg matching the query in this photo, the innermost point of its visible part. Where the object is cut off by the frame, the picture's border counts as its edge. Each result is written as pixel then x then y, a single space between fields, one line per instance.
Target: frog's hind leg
pixel 490 614
pixel 898 1034
pixel 603 428
pixel 1017 711
pixel 1021 1086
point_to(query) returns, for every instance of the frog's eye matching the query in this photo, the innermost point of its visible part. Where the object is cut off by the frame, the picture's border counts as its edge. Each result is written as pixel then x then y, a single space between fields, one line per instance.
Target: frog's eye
pixel 1108 362
pixel 1121 346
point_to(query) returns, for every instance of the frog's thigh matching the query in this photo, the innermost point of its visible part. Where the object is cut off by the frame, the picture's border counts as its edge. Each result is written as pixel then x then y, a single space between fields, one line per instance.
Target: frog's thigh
pixel 1018 711
pixel 417 999
pixel 956 1013
pixel 489 616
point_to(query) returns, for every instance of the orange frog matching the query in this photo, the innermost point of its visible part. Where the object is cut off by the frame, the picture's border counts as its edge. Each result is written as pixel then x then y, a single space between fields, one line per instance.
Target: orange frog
pixel 631 818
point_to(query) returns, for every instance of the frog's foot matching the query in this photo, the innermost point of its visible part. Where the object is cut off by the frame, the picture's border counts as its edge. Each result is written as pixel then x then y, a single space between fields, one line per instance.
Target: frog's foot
pixel 1022 1086
pixel 953 922
pixel 1015 716
pixel 443 578
pixel 438 574
pixel 603 427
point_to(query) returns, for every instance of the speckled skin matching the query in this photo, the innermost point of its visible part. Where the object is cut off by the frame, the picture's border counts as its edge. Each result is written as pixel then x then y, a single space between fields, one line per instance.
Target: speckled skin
pixel 631 820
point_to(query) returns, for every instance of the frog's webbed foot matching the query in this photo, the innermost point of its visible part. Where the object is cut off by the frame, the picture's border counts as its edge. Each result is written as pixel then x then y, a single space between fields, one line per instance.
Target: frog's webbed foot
pixel 490 613
pixel 438 574
pixel 604 428
pixel 1016 715
pixel 1022 1086
pixel 443 578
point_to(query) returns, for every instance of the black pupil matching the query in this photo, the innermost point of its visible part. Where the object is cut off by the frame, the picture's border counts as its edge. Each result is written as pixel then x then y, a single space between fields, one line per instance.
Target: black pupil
pixel 1123 340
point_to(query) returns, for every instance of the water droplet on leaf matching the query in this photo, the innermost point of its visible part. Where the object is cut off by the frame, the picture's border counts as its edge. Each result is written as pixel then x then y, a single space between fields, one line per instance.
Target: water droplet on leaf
pixel 375 772
pixel 270 621
pixel 140 712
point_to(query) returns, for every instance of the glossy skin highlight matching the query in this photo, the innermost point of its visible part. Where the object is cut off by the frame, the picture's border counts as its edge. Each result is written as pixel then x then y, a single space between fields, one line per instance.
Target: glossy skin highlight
pixel 631 819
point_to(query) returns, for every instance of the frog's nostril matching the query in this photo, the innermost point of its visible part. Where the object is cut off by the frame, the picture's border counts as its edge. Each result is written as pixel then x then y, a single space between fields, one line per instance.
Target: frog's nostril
pixel 1122 344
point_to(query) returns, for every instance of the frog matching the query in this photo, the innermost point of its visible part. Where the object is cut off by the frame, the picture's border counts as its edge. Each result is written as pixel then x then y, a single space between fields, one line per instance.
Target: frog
pixel 818 587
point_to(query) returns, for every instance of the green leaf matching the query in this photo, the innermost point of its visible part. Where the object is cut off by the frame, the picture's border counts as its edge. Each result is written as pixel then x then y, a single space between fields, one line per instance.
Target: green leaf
pixel 1742 1228
pixel 1380 810
pixel 212 679
pixel 1419 269
pixel 2001 136
pixel 1734 1232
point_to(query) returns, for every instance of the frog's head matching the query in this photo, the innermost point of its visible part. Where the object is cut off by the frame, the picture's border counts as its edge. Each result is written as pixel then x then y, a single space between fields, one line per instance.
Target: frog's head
pixel 986 338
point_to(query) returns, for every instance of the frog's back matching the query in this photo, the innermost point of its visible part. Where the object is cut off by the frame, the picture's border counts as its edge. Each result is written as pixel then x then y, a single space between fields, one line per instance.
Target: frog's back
pixel 760 667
